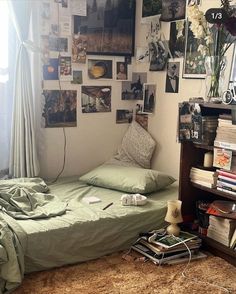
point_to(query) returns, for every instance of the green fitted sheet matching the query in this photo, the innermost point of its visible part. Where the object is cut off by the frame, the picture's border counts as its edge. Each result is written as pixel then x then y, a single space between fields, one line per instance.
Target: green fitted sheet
pixel 86 231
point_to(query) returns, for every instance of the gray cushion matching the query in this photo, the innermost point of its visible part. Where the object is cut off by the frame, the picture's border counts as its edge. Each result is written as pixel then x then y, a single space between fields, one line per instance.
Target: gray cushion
pixel 137 145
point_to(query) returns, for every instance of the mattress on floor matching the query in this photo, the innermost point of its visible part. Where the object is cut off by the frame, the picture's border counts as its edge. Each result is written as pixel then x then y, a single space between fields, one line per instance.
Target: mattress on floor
pixel 87 231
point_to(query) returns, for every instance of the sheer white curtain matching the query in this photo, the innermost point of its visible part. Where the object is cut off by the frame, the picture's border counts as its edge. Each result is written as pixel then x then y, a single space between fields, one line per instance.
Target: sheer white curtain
pixel 7 54
pixel 23 154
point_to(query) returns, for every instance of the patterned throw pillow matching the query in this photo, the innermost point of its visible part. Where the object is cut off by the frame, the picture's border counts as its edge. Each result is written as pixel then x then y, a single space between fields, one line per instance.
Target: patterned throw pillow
pixel 137 145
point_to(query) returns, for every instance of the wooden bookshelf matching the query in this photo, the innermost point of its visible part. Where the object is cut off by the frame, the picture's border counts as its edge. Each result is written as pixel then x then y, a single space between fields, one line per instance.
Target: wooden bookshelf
pixel 192 154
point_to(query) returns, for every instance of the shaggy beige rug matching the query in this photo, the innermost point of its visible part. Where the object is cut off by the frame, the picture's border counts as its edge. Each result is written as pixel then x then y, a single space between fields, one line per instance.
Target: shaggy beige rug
pixel 115 275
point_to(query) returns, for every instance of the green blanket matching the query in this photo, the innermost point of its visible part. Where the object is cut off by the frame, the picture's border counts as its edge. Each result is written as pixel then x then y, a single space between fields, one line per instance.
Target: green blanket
pixel 11 255
pixel 25 198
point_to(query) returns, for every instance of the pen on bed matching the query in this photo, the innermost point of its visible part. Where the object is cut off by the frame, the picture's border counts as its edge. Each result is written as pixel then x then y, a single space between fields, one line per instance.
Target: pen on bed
pixel 108 205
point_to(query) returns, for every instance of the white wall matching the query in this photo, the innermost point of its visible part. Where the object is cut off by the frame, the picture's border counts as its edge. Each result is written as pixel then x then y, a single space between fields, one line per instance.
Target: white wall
pixel 163 124
pixel 97 136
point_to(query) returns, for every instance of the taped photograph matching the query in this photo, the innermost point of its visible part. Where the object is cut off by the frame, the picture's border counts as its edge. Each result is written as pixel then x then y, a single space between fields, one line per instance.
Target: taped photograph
pixel 96 99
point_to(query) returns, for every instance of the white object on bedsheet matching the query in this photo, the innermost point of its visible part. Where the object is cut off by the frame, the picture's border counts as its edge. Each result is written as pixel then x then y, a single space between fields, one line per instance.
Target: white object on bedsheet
pixel 91 199
pixel 133 199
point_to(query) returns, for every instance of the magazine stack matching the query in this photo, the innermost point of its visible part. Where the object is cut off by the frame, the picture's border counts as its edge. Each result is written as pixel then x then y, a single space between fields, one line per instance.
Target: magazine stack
pixel 221 229
pixel 225 134
pixel 203 177
pixel 162 248
pixel 222 222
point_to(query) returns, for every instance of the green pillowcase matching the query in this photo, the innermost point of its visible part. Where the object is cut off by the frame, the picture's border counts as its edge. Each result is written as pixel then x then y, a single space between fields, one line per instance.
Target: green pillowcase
pixel 127 179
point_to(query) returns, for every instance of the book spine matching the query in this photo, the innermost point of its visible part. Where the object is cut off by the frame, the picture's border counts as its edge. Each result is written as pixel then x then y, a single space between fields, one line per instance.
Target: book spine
pixel 227 180
pixel 225 145
pixel 226 191
pixel 226 174
pixel 202 171
pixel 226 186
pixel 202 183
pixel 199 178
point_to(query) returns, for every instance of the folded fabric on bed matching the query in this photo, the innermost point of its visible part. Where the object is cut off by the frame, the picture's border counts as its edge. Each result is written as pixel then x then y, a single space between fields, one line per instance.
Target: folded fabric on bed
pixel 25 198
pixel 127 179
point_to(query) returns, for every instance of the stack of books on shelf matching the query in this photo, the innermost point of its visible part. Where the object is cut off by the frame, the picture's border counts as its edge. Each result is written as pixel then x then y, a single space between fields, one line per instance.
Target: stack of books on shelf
pixel 203 177
pixel 226 182
pixel 225 133
pixel 168 249
pixel 209 126
pixel 222 230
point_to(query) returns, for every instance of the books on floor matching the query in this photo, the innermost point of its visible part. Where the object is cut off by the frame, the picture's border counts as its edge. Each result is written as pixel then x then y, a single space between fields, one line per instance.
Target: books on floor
pixel 164 249
pixel 170 241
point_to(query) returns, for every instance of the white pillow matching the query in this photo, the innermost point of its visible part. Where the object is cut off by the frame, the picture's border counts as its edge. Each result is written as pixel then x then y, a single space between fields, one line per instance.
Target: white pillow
pixel 137 145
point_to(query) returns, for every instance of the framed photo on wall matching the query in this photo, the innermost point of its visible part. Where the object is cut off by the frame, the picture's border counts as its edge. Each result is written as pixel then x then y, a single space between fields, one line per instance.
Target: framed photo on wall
pixel 193 65
pixel 109 27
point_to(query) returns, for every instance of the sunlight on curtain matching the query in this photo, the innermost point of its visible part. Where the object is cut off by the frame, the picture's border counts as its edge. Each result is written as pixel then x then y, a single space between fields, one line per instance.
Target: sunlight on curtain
pixel 4 41
pixel 23 154
pixel 5 101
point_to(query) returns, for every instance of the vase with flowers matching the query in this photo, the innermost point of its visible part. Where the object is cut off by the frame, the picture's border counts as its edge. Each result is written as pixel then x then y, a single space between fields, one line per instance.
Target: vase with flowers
pixel 215 40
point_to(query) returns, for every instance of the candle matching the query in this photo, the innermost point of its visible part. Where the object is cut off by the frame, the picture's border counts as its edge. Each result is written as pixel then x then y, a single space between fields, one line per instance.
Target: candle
pixel 208 159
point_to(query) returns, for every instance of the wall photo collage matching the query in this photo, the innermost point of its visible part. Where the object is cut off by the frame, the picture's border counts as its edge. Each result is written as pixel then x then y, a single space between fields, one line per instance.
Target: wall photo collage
pixel 72 32
pixel 87 41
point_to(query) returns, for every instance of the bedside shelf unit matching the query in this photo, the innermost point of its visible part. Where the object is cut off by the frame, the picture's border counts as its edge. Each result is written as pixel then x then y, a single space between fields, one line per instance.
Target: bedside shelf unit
pixel 192 154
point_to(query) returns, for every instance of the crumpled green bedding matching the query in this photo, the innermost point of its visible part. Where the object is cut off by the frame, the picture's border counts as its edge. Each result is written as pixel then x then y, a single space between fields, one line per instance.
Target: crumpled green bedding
pixel 83 232
pixel 25 198
pixel 11 255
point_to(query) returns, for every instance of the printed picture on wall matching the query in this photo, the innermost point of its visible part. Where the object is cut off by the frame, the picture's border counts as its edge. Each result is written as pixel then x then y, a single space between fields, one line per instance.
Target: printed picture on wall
pixel 190 122
pixel 172 77
pixel 59 108
pixel 173 10
pixel 121 71
pixel 53 43
pixel 149 98
pixel 79 48
pixel 124 116
pixel 142 54
pixel 158 55
pixel 65 68
pixel 193 66
pixel 100 69
pixel 50 70
pixel 109 26
pixel 177 38
pixel 45 10
pixel 54 29
pixel 138 79
pixel 193 2
pixel 142 119
pixel 134 90
pixel 151 7
pixel 96 99
pixel 77 77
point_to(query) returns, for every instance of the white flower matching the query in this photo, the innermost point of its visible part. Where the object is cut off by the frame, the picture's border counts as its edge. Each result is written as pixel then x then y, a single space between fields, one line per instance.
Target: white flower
pixel 209 39
pixel 202 49
pixel 197 30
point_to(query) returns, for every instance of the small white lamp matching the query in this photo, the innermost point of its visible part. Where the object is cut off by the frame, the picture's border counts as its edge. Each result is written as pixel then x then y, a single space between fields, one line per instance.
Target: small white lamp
pixel 173 216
